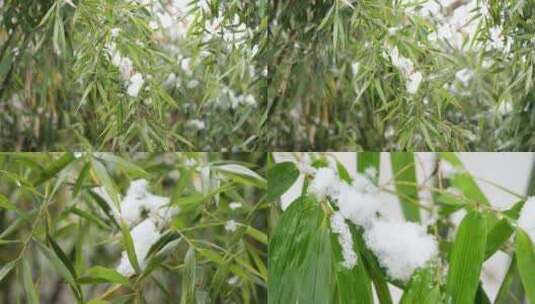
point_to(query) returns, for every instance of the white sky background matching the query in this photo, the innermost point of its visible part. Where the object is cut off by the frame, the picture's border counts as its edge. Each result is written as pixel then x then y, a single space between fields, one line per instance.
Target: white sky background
pixel 509 170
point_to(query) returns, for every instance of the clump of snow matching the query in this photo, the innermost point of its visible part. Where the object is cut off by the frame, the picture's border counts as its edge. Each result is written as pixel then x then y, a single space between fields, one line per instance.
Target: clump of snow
pixel 144 235
pixel 358 206
pixel 324 183
pixel 406 67
pixel 146 212
pixel 139 202
pixel 340 227
pixel 464 76
pixel 135 84
pixel 401 247
pixel 235 205
pixel 526 221
pixel 231 226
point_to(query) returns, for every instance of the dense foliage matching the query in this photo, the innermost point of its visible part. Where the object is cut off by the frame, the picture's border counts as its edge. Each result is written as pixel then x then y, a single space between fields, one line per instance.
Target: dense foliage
pixel 335 243
pixel 131 74
pixel 402 74
pixel 82 228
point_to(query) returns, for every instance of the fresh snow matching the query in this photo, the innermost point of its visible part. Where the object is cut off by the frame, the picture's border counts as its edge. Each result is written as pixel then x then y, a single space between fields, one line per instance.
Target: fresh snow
pixel 401 247
pixel 340 227
pixel 144 235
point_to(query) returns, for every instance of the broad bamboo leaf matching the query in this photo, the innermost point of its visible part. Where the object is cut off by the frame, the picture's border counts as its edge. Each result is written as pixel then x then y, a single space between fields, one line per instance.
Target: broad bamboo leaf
pixel 352 285
pixel 466 259
pixel 375 271
pixel 281 177
pixel 502 230
pixel 422 288
pixel 525 255
pixel 511 291
pixel 300 269
pixel 404 170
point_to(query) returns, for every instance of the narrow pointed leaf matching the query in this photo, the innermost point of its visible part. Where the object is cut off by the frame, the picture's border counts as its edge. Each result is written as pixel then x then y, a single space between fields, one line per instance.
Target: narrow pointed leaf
pixel 466 259
pixel 525 255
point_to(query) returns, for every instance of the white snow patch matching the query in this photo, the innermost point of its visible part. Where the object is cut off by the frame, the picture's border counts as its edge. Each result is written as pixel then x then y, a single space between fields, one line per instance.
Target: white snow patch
pixel 144 235
pixel 340 227
pixel 401 247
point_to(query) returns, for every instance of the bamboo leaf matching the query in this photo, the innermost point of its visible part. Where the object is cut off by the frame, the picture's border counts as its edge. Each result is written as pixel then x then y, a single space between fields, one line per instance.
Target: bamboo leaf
pixel 6 268
pixel 466 259
pixel 129 247
pixel 299 255
pixel 242 174
pixel 4 203
pixel 189 278
pixel 422 288
pixel 525 255
pixel 404 171
pixel 31 293
pixel 106 181
pixel 281 177
pixel 353 285
pixel 511 291
pixel 100 274
pixel 366 160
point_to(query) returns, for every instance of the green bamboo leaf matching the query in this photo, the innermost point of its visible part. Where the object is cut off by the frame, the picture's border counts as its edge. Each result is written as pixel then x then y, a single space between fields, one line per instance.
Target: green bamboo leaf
pixel 404 171
pixel 353 285
pixel 299 255
pixel 61 255
pixel 54 168
pixel 4 203
pixel 502 230
pixel 525 255
pixel 375 271
pixel 463 181
pixel 6 268
pixel 90 217
pixel 100 274
pixel 242 174
pixel 281 177
pixel 130 168
pixel 84 173
pixel 511 291
pixel 129 247
pixel 189 278
pixel 61 268
pixel 466 258
pixel 366 160
pixel 343 173
pixel 422 288
pixel 31 293
pixel 106 181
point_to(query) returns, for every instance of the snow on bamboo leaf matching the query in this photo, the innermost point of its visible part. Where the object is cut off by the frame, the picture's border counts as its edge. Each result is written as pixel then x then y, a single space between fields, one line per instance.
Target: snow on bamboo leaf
pixel 401 247
pixel 154 213
pixel 340 227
